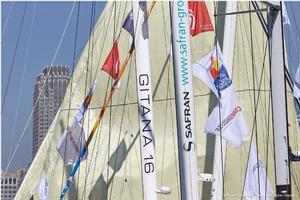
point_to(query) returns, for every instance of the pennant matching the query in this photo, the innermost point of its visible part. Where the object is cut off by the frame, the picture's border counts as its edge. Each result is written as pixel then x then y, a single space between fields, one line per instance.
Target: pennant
pixel 199 18
pixel 296 88
pixel 231 124
pixel 128 24
pixel 73 139
pixel 254 189
pixel 42 188
pixel 112 62
pixel 285 20
pixel 212 71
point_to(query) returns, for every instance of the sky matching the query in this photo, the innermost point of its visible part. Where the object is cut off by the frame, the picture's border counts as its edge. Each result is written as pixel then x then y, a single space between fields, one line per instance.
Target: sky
pixel 49 20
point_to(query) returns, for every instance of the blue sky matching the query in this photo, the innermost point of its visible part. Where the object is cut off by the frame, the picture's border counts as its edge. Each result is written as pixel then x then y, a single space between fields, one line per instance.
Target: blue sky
pixel 48 24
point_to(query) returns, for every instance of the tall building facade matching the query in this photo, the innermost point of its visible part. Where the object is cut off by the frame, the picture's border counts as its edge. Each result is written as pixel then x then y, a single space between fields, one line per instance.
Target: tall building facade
pixel 48 96
pixel 10 183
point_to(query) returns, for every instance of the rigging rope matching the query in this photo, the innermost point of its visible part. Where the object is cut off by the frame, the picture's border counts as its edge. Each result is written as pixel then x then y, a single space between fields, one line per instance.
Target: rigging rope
pixel 89 61
pixel 219 103
pixel 6 21
pixel 89 167
pixel 71 85
pixel 27 123
pixel 22 81
pixel 254 98
pixel 256 104
pixel 14 56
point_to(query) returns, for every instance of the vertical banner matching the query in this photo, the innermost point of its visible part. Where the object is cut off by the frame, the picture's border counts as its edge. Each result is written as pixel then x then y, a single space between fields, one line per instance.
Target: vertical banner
pixel 145 110
pixel 186 130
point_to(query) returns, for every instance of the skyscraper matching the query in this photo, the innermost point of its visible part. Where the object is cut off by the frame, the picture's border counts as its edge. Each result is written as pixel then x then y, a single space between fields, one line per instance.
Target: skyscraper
pixel 48 96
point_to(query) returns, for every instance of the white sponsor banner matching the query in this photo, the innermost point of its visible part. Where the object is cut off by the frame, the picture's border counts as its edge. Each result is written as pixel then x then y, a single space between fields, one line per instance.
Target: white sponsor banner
pixel 186 130
pixel 145 104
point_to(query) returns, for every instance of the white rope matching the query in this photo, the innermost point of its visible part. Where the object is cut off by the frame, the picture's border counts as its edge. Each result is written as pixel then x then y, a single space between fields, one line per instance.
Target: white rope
pixel 26 126
pixel 7 19
pixel 22 80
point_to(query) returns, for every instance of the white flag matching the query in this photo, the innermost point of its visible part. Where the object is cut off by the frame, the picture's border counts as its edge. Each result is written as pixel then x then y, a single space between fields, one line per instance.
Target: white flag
pixel 42 188
pixel 71 143
pixel 232 124
pixel 254 189
pixel 73 139
pixel 296 88
pixel 286 20
pixel 213 72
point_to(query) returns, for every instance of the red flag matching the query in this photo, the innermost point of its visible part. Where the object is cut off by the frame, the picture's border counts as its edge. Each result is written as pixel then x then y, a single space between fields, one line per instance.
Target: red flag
pixel 199 18
pixel 112 62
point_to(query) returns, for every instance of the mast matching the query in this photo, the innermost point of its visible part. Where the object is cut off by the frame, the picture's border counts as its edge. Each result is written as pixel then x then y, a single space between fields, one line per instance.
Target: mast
pixel 145 109
pixel 186 131
pixel 228 49
pixel 279 103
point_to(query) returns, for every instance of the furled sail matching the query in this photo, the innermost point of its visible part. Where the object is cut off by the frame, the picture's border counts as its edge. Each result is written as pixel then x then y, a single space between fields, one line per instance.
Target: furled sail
pixel 112 169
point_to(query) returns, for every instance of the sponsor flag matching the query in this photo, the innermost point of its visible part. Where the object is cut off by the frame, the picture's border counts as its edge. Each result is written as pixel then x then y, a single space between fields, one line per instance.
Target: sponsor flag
pixel 128 24
pixel 112 62
pixel 199 18
pixel 226 118
pixel 257 184
pixel 231 124
pixel 73 139
pixel 212 71
pixel 296 88
pixel 286 20
pixel 42 188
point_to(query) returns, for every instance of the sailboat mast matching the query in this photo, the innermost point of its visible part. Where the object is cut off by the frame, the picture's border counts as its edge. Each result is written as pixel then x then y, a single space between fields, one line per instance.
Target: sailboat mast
pixel 228 50
pixel 186 131
pixel 279 103
pixel 145 104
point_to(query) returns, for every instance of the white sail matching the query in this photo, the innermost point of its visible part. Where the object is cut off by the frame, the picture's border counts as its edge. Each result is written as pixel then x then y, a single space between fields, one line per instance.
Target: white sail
pixel 108 173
